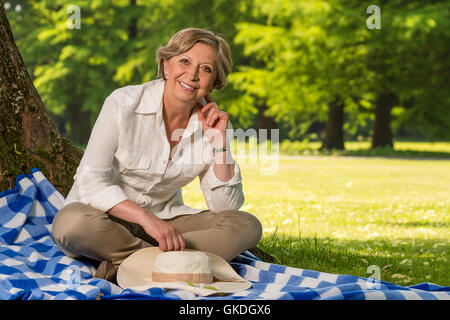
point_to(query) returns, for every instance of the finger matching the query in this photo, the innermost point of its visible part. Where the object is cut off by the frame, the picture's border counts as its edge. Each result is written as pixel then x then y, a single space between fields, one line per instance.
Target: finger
pixel 182 243
pixel 169 241
pixel 212 118
pixel 162 245
pixel 201 115
pixel 210 114
pixel 176 242
pixel 208 106
pixel 203 111
pixel 205 117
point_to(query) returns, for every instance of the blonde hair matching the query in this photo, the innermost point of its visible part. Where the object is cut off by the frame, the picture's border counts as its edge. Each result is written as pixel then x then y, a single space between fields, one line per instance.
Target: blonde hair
pixel 185 39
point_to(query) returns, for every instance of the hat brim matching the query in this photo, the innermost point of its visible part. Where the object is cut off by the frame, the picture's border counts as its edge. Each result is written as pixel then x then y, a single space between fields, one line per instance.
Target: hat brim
pixel 135 273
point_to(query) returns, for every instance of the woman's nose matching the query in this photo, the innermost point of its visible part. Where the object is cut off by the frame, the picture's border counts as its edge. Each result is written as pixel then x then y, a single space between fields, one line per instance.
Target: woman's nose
pixel 193 73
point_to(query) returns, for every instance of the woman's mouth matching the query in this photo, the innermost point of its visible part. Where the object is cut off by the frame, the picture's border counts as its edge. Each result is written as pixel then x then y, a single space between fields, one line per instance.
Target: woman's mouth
pixel 186 87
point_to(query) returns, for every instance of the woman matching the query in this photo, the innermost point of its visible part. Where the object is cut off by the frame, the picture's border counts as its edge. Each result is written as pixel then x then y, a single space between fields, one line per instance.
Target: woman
pixel 148 142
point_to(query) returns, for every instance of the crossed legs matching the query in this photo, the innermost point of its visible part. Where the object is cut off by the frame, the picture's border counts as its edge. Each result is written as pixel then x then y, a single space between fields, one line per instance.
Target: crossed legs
pixel 81 230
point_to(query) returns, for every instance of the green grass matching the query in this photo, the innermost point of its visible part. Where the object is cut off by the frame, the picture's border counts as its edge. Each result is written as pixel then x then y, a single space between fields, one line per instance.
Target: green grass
pixel 342 214
pixel 362 148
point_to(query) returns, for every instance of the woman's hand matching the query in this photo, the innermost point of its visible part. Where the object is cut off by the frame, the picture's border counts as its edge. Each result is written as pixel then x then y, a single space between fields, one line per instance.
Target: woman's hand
pixel 167 236
pixel 215 124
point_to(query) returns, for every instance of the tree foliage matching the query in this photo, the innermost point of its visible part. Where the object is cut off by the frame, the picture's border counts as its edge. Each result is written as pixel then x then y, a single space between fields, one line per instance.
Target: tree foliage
pixel 294 57
pixel 313 51
pixel 307 56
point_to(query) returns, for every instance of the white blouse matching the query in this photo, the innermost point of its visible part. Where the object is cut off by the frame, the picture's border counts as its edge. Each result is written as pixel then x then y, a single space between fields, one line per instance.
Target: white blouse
pixel 127 157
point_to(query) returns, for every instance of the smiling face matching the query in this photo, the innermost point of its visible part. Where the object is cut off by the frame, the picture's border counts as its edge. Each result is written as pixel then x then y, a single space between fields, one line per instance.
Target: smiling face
pixel 191 75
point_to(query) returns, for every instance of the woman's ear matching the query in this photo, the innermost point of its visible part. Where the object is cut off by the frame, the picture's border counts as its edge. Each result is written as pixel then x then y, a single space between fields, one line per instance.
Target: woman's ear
pixel 164 68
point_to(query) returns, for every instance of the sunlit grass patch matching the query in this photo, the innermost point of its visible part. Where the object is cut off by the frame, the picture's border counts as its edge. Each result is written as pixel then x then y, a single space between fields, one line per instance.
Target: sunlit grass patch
pixel 439 149
pixel 341 215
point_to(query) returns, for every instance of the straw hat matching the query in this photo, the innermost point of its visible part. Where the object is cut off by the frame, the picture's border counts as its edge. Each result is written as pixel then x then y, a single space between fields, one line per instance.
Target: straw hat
pixel 199 272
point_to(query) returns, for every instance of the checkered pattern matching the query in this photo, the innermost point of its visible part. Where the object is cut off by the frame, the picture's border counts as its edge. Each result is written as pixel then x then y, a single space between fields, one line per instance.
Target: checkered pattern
pixel 32 266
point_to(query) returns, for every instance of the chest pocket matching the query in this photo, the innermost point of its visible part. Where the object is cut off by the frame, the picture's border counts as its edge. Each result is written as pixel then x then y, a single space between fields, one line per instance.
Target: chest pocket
pixel 135 169
pixel 132 161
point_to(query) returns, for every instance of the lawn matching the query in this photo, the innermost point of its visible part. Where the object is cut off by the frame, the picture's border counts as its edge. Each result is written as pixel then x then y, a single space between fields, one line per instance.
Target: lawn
pixel 341 214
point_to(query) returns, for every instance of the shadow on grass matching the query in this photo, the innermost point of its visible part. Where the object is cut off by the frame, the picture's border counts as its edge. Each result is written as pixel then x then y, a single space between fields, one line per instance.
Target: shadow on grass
pixel 388 152
pixel 403 262
pixel 419 224
pixel 404 154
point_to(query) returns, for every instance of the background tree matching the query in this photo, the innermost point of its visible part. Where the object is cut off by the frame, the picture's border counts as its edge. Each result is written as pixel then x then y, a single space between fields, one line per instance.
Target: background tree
pixel 407 69
pixel 320 55
pixel 310 65
pixel 75 69
pixel 300 66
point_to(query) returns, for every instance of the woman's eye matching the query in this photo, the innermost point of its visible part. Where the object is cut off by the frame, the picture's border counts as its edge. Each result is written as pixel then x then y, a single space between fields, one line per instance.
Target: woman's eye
pixel 207 69
pixel 184 61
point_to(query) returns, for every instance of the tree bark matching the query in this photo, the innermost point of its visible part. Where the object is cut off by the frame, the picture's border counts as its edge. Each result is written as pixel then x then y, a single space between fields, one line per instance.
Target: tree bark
pixel 80 123
pixel 132 27
pixel 334 133
pixel 382 132
pixel 265 122
pixel 28 136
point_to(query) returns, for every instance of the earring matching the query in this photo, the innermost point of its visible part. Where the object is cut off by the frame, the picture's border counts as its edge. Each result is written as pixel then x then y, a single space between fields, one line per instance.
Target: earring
pixel 165 74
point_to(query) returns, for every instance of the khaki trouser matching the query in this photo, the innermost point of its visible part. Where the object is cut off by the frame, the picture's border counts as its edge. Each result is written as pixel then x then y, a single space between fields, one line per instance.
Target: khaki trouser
pixel 81 230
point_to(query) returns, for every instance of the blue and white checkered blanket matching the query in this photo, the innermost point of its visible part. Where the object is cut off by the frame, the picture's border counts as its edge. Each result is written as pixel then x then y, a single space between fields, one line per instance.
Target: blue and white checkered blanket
pixel 32 266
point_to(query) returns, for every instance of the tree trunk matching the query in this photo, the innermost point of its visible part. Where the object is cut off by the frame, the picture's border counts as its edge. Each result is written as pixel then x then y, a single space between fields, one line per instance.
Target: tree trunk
pixel 382 133
pixel 132 27
pixel 80 123
pixel 265 122
pixel 334 134
pixel 28 136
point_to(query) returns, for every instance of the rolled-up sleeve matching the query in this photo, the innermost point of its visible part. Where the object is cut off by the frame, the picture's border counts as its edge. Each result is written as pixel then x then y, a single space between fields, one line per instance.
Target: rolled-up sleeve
pixel 222 195
pixel 95 178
